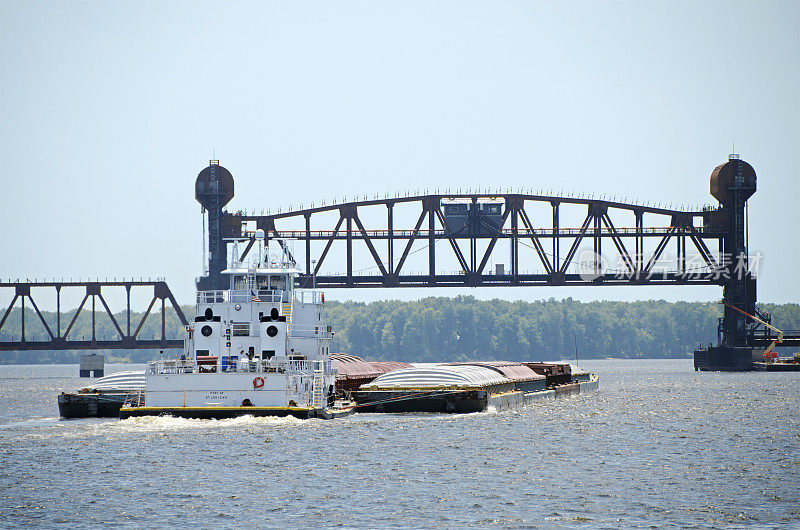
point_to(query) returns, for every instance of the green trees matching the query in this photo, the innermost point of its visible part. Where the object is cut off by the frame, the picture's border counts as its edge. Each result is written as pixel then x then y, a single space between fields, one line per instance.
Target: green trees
pixel 82 330
pixel 425 330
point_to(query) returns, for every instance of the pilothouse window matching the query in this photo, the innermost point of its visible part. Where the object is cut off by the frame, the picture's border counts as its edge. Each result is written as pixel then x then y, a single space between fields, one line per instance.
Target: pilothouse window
pixel 239 283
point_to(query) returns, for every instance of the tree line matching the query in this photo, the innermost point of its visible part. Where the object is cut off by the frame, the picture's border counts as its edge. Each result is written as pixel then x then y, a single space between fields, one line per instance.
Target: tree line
pixel 433 329
pixel 461 328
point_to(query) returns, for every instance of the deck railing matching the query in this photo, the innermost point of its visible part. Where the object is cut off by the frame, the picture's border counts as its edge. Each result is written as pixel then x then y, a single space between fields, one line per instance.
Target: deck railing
pixel 234 365
pixel 220 296
pixel 309 296
pixel 304 296
pixel 310 332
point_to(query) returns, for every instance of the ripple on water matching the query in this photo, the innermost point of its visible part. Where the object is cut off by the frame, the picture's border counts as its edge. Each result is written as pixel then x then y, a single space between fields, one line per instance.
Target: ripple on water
pixel 667 448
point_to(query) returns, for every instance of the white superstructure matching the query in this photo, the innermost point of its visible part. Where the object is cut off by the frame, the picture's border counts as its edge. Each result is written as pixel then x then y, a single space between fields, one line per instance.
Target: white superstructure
pixel 259 343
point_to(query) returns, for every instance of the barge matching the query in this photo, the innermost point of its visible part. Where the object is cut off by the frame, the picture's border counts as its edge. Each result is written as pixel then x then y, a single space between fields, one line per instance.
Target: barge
pixel 780 364
pixel 104 397
pixel 470 387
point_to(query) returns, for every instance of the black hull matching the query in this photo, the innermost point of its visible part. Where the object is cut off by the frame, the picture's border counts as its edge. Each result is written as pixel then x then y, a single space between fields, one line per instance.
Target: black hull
pixel 444 401
pixel 777 367
pixel 72 406
pixel 461 401
pixel 723 359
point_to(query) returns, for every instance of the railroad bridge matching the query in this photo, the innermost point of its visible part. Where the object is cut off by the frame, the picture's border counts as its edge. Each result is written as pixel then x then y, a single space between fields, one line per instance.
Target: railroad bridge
pixel 533 239
pixel 60 335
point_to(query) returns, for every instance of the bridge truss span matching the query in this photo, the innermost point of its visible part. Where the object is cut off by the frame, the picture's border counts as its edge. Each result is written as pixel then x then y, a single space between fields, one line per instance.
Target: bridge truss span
pixel 466 229
pixel 126 333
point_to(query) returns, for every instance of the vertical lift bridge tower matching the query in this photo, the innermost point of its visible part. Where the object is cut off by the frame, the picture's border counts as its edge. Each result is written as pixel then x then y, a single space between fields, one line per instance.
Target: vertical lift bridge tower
pixel 213 189
pixel 732 183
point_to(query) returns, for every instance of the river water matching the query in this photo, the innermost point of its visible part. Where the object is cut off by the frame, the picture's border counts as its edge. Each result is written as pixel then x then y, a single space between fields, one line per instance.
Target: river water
pixel 659 444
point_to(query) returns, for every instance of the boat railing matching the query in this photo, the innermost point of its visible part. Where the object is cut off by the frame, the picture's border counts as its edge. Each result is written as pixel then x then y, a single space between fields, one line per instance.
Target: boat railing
pixel 310 332
pixel 172 366
pixel 280 367
pixel 305 367
pixel 262 295
pixel 229 364
pixel 244 365
pixel 134 398
pixel 309 296
pixel 220 296
pixel 212 297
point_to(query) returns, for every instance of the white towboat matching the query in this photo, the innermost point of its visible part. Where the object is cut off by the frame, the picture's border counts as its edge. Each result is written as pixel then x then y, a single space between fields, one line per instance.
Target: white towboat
pixel 260 347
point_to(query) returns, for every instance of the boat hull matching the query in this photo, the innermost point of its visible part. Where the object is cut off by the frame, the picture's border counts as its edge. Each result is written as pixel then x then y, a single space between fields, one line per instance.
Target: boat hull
pixel 100 405
pixel 400 401
pixel 460 401
pixel 777 367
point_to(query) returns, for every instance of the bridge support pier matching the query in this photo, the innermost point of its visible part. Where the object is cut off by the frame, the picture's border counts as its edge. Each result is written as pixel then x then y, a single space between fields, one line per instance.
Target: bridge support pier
pixel 724 359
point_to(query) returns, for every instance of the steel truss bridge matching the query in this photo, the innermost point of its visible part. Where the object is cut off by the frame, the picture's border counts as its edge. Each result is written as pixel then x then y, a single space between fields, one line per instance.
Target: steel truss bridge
pixel 60 337
pixel 469 226
pixel 555 246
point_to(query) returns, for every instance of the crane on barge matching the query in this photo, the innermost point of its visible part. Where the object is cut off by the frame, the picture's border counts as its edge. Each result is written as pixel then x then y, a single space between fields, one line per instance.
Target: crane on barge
pixel 769 353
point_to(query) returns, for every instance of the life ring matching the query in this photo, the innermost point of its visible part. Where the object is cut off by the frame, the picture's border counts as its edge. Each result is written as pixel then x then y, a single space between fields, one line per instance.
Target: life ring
pixel 258 382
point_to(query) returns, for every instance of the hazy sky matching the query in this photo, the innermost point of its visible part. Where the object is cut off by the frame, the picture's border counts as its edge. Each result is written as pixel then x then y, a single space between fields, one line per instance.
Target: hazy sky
pixel 110 109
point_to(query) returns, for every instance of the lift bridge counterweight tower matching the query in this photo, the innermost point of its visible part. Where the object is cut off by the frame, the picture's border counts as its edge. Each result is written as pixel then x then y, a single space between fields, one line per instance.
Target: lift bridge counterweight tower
pixel 213 189
pixel 732 184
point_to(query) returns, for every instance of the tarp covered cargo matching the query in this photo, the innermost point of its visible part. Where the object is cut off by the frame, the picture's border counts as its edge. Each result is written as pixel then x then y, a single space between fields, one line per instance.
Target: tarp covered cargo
pixel 516 372
pixel 441 376
pixel 353 367
pixel 120 381
pixel 549 368
pixel 388 366
pixel 353 372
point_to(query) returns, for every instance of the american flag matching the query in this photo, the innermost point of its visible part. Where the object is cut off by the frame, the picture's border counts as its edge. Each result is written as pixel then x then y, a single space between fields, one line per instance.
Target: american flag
pixel 255 297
